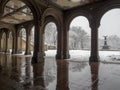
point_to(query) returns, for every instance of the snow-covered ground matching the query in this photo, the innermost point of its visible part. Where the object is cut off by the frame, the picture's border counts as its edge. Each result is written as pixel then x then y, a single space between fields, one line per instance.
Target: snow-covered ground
pixel 83 55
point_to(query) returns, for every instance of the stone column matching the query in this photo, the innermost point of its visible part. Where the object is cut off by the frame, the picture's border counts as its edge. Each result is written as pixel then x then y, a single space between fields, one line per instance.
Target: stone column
pixel 14 44
pixel 59 54
pixel 38 55
pixel 27 51
pixel 62 75
pixel 6 48
pixel 0 43
pixel 3 44
pixel 94 41
pixel 66 54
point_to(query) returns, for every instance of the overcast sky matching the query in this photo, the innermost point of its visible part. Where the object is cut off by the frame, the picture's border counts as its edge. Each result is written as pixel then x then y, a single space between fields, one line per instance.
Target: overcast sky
pixel 110 23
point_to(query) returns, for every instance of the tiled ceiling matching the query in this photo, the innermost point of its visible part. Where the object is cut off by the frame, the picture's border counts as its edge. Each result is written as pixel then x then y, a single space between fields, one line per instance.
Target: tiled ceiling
pixel 67 4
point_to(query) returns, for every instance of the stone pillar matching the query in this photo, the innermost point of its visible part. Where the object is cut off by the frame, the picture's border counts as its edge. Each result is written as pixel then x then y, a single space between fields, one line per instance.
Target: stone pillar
pixel 28 36
pixel 6 48
pixel 59 54
pixel 94 67
pixel 3 43
pixel 66 54
pixel 62 75
pixel 0 43
pixel 14 44
pixel 2 46
pixel 38 55
pixel 94 41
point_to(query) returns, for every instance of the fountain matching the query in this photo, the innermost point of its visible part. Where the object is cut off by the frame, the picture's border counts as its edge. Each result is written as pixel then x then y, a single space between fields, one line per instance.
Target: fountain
pixel 105 46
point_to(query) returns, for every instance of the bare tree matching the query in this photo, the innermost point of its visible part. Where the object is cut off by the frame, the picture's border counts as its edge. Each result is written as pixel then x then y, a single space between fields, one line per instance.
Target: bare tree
pixel 78 38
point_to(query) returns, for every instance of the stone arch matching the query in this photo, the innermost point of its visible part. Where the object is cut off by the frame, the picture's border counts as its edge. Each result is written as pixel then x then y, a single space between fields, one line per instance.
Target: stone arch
pixel 56 16
pixel 107 7
pixel 71 16
pixel 19 29
pixel 49 19
pixel 54 34
pixel 50 14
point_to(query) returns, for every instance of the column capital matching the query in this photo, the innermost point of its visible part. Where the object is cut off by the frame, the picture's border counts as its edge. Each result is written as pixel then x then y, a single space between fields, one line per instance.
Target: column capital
pixel 94 23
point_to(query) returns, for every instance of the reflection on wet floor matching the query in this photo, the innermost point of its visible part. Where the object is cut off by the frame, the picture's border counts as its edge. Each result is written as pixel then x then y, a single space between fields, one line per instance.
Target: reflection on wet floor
pixel 17 73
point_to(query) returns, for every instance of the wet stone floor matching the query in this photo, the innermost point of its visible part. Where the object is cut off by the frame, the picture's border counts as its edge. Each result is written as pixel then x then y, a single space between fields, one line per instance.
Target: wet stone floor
pixel 17 73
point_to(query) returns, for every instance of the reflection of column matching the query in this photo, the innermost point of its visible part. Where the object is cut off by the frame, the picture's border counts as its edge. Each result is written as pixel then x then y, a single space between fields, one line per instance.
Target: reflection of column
pixel 14 71
pixel 62 75
pixel 94 75
pixel 28 72
pixel 94 41
pixel 38 70
pixel 4 62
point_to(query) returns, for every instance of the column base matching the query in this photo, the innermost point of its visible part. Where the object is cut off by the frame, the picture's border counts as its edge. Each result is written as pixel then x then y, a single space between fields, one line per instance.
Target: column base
pixel 66 56
pixel 13 52
pixel 18 51
pixel 38 58
pixel 59 56
pixel 7 51
pixel 27 53
pixel 94 59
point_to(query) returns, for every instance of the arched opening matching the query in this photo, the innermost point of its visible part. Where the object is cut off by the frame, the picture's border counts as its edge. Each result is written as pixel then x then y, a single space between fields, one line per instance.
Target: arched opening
pixel 3 42
pixel 23 39
pixel 10 41
pixel 80 37
pixel 50 43
pixel 32 39
pixel 17 12
pixel 109 35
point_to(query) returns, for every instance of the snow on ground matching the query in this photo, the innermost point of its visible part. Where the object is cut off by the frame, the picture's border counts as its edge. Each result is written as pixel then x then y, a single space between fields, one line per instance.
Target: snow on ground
pixel 83 55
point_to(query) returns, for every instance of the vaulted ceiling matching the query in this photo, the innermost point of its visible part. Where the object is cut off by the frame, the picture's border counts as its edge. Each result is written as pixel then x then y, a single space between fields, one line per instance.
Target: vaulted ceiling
pixel 17 12
pixel 67 4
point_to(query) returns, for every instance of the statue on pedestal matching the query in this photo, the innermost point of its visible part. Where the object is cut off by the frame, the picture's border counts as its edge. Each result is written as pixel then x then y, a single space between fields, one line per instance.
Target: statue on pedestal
pixel 105 46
